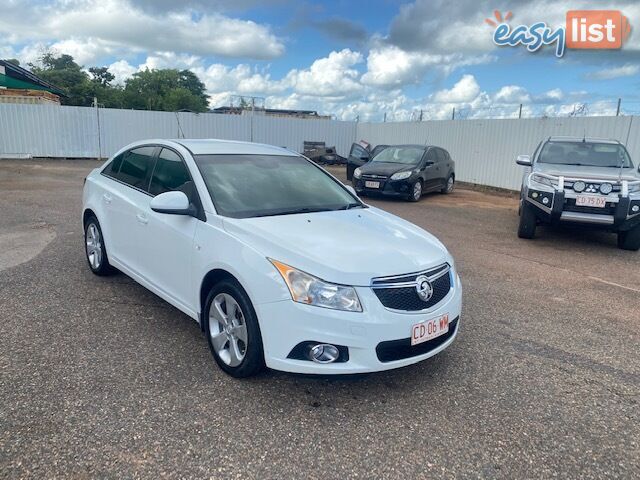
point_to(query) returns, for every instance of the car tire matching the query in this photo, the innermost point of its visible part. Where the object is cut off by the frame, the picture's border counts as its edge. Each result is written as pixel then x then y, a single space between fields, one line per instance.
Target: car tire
pixel 95 248
pixel 448 187
pixel 630 239
pixel 528 222
pixel 233 333
pixel 416 191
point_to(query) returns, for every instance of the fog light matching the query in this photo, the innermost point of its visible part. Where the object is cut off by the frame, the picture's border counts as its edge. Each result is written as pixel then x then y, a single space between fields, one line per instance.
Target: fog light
pixel 534 194
pixel 324 353
pixel 635 209
pixel 545 200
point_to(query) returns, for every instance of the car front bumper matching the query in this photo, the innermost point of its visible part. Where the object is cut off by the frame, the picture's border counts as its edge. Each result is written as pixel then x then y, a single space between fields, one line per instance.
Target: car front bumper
pixel 374 333
pixel 561 206
pixel 391 188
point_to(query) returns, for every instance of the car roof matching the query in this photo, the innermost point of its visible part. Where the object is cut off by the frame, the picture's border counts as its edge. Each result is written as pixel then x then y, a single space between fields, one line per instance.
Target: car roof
pixel 583 139
pixel 212 146
pixel 410 145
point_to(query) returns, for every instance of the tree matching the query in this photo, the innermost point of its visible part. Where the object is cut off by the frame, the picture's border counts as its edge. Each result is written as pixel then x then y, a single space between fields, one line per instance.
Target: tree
pixel 102 76
pixel 166 89
pixel 67 75
pixel 15 61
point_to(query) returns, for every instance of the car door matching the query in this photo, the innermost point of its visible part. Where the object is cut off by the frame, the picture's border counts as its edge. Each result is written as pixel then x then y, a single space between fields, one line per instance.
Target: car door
pixel 358 156
pixel 168 239
pixel 441 167
pixel 128 195
pixel 431 173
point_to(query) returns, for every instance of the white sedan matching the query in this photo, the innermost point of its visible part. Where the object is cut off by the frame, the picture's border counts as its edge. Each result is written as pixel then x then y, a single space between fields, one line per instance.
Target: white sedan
pixel 281 264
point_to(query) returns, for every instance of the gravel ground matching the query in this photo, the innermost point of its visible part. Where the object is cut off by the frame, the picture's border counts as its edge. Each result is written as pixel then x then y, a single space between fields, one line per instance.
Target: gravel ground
pixel 99 378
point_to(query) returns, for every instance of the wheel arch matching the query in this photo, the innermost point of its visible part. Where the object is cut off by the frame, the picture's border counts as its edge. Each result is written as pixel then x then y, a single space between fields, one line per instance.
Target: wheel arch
pixel 212 278
pixel 88 212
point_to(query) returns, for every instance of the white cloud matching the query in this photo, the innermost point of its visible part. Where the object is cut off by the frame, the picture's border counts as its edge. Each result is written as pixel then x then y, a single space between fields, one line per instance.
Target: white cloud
pixel 115 25
pixel 330 76
pixel 465 90
pixel 122 70
pixel 512 94
pixel 627 70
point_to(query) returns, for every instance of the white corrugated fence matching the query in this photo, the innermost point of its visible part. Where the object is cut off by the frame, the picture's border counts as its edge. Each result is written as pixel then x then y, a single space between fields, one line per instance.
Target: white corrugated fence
pixel 484 150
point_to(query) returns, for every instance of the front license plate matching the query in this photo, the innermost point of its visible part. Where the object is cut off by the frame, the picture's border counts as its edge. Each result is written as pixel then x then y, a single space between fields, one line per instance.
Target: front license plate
pixel 372 184
pixel 591 201
pixel 425 331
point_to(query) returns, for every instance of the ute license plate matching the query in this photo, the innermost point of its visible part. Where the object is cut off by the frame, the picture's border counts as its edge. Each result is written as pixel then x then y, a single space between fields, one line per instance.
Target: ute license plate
pixel 372 184
pixel 425 331
pixel 591 201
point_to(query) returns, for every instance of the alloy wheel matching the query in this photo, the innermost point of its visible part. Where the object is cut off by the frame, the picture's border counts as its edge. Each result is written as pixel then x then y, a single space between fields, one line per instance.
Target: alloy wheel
pixel 94 246
pixel 228 329
pixel 417 190
pixel 450 183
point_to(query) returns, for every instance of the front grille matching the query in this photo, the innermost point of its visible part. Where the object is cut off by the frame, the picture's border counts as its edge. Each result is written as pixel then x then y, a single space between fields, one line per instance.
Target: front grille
pixel 400 349
pixel 406 297
pixel 373 177
pixel 593 187
pixel 570 206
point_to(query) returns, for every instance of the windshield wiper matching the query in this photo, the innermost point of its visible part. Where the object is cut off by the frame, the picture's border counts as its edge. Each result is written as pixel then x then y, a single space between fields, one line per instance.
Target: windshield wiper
pixel 293 211
pixel 351 205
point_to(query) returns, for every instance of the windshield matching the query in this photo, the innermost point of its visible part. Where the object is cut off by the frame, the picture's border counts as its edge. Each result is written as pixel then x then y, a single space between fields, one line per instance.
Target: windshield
pixel 585 154
pixel 243 186
pixel 406 155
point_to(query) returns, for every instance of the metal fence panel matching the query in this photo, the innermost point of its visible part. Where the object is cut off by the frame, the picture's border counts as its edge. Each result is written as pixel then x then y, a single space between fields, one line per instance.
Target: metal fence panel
pixel 485 150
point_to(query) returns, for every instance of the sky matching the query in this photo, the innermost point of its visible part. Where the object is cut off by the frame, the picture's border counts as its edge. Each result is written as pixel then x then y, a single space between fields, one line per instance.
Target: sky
pixel 365 60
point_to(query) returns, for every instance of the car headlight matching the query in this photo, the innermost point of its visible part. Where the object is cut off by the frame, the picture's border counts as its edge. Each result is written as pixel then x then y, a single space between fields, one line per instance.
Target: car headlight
pixel 357 173
pixel 542 180
pixel 306 288
pixel 634 188
pixel 401 175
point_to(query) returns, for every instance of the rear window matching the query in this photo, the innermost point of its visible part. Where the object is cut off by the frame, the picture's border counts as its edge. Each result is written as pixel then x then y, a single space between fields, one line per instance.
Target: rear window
pixel 114 166
pixel 589 154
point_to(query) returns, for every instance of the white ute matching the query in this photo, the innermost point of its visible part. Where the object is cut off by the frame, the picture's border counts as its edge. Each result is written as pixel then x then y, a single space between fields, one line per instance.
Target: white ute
pixel 281 264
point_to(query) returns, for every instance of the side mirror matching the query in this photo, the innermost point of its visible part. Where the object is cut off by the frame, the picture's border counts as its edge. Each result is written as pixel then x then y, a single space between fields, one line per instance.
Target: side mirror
pixel 524 160
pixel 428 163
pixel 173 203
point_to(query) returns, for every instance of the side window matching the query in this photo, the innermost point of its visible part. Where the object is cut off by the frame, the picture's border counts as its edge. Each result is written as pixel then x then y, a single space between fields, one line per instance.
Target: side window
pixel 358 151
pixel 135 167
pixel 431 156
pixel 170 173
pixel 441 155
pixel 112 169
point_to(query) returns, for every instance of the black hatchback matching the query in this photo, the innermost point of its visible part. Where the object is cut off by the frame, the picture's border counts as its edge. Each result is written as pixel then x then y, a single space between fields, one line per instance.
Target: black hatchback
pixel 406 171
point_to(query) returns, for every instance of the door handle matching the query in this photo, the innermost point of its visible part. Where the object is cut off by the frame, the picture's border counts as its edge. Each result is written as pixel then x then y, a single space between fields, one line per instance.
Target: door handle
pixel 107 198
pixel 142 218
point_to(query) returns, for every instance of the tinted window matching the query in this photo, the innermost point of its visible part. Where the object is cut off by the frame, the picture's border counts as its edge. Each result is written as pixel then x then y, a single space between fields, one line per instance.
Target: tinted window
pixel 358 151
pixel 442 155
pixel 431 155
pixel 404 155
pixel 259 185
pixel 135 167
pixel 585 154
pixel 114 166
pixel 169 174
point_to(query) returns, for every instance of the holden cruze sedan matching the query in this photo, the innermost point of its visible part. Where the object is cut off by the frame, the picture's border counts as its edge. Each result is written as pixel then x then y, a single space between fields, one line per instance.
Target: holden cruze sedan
pixel 281 264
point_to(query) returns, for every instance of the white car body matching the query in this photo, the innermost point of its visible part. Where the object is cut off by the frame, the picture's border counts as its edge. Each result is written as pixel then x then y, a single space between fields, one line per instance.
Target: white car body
pixel 172 255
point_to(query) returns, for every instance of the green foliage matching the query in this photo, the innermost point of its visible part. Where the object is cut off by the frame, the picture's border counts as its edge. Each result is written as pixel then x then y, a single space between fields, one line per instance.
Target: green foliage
pixel 166 89
pixel 15 61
